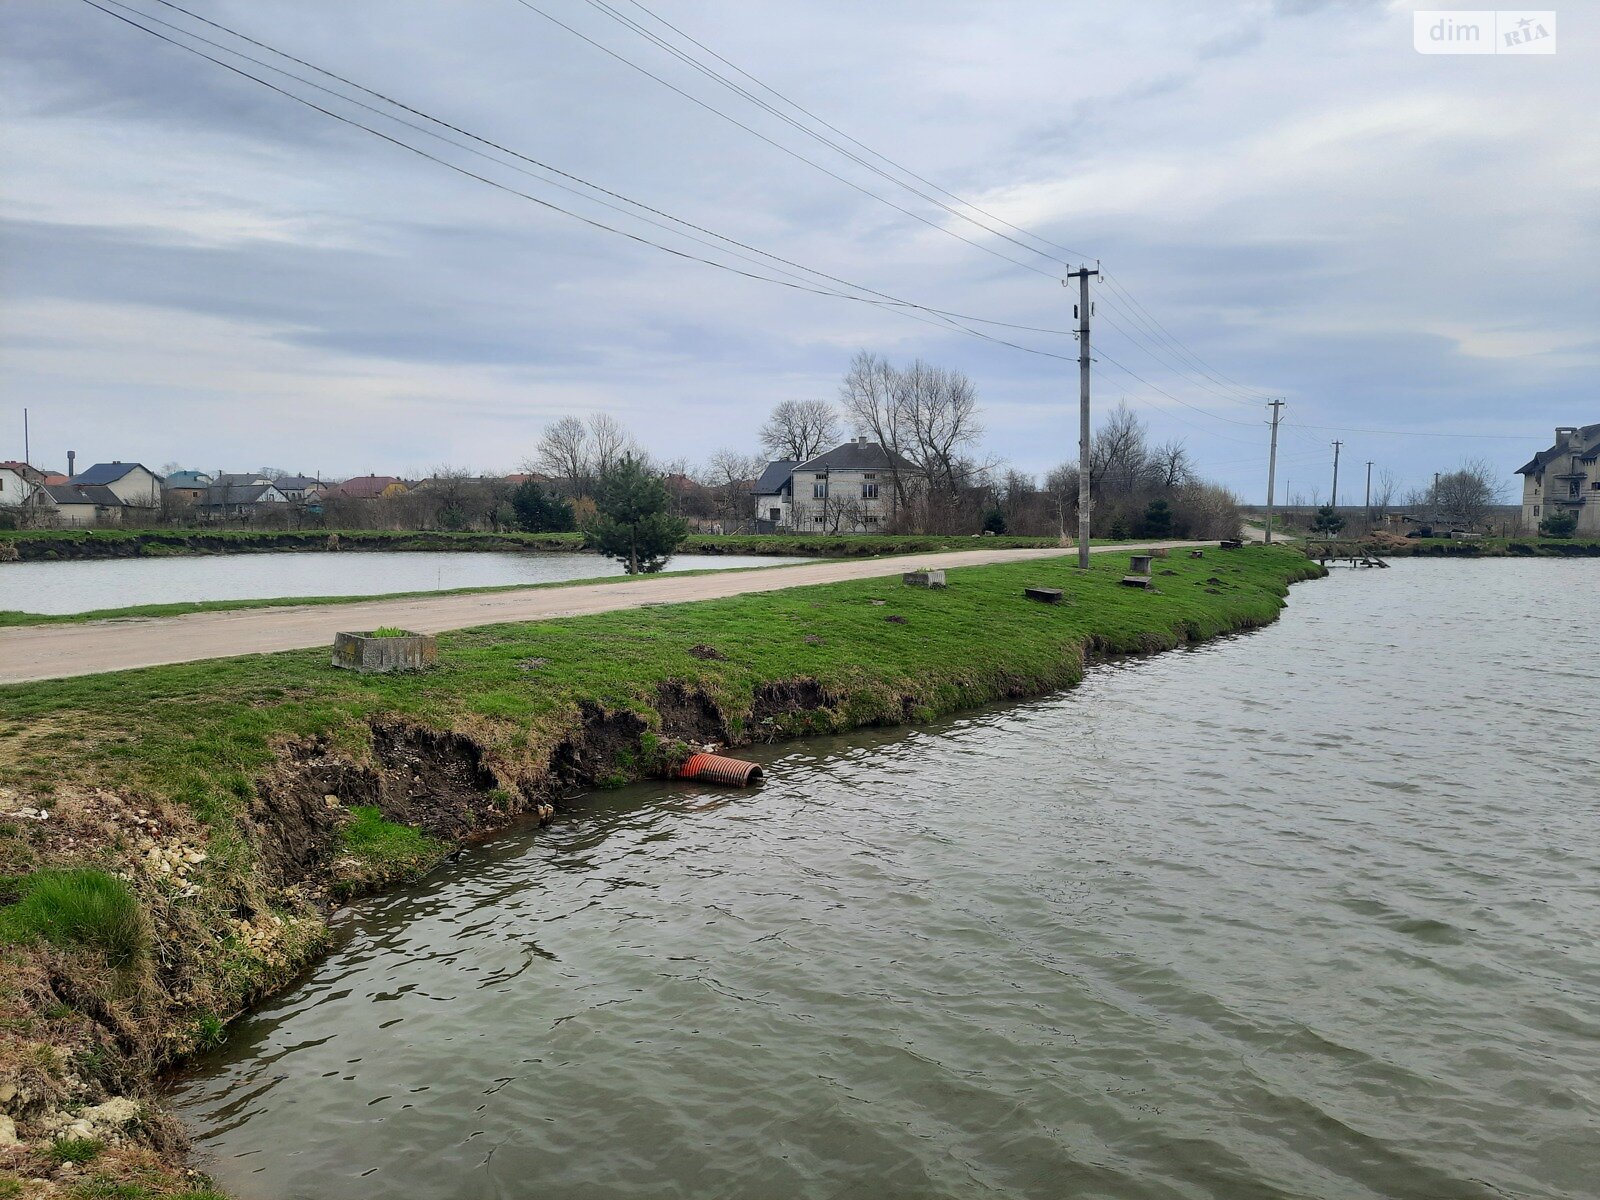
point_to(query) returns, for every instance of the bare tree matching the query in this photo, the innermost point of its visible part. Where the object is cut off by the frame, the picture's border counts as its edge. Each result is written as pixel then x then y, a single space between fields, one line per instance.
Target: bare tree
pixel 1384 487
pixel 564 454
pixel 870 397
pixel 1118 455
pixel 1465 496
pixel 938 408
pixel 731 474
pixel 800 429
pixel 611 443
pixel 1170 465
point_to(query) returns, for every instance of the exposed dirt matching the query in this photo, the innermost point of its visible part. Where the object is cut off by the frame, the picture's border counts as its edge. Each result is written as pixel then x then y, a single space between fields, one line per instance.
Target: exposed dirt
pixel 690 716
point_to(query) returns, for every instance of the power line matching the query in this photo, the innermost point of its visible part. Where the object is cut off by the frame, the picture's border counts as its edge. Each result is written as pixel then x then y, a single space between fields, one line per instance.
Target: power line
pixel 902 306
pixel 711 108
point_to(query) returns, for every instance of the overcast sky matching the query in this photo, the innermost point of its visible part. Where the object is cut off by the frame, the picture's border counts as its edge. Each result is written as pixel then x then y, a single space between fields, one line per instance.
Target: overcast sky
pixel 195 269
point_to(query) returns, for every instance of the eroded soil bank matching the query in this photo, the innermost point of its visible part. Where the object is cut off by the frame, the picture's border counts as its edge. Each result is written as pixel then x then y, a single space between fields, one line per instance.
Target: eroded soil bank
pixel 236 803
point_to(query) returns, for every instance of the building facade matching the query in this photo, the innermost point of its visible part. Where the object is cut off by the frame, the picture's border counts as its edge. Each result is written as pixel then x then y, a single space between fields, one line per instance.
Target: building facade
pixel 1564 479
pixel 850 489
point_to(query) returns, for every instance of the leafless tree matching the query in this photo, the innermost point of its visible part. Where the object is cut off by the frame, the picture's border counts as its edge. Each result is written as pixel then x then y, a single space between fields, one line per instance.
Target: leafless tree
pixel 1465 495
pixel 610 442
pixel 565 455
pixel 730 474
pixel 800 429
pixel 1118 455
pixel 1384 487
pixel 870 397
pixel 1170 465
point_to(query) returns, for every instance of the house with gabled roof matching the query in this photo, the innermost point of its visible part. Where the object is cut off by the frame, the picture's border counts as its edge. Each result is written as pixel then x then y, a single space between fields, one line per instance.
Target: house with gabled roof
pixel 133 484
pixel 849 489
pixel 1564 479
pixel 369 487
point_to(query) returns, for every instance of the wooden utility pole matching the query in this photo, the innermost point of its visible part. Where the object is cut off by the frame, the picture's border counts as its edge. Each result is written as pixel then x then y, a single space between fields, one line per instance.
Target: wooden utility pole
pixel 1085 500
pixel 1334 501
pixel 1272 463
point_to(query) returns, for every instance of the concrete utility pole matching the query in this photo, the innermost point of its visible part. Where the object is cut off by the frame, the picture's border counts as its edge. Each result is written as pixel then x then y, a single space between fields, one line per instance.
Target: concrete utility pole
pixel 1334 502
pixel 1369 489
pixel 1272 463
pixel 1084 499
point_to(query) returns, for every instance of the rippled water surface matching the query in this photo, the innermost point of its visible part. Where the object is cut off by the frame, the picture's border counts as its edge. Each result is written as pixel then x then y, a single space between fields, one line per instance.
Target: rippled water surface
pixel 69 587
pixel 1306 913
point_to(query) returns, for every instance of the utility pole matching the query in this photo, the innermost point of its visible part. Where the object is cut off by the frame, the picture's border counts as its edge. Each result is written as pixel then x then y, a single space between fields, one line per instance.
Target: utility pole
pixel 1369 489
pixel 1272 463
pixel 27 450
pixel 1084 499
pixel 1334 501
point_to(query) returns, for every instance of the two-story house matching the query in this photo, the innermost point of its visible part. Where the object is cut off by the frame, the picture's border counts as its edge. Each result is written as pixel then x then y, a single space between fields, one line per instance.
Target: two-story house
pixel 849 489
pixel 113 493
pixel 1564 478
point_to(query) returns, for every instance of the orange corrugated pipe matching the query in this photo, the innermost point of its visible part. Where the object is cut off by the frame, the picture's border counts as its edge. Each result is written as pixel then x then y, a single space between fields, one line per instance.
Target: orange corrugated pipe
pixel 714 768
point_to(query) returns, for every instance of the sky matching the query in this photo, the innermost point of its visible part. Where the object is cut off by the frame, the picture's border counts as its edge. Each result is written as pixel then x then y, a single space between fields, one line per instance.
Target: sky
pixel 1285 198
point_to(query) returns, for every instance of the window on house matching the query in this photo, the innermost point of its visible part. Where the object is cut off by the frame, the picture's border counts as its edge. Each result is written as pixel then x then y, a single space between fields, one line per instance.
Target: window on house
pixel 777 514
pixel 1536 510
pixel 817 519
pixel 819 491
pixel 871 519
pixel 869 491
pixel 1572 488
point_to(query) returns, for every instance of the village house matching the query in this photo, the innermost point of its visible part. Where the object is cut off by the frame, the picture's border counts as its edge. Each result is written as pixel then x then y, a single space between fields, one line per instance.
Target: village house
pixel 368 487
pixel 19 483
pixel 1564 479
pixel 298 488
pixel 239 497
pixel 113 493
pixel 186 486
pixel 849 489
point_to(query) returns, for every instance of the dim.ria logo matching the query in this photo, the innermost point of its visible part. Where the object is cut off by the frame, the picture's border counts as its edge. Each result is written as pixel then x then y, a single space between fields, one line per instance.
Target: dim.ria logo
pixel 1484 31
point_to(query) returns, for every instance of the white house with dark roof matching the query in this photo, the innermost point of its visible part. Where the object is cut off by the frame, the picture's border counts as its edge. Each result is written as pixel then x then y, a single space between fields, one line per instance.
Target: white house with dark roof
pixel 849 489
pixel 1564 479
pixel 105 494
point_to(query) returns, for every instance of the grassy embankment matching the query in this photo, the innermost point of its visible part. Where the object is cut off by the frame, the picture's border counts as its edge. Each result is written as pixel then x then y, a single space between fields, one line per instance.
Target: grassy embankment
pixel 210 814
pixel 1506 547
pixel 51 545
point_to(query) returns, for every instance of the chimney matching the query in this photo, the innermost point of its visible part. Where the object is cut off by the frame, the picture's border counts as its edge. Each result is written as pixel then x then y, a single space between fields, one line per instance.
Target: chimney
pixel 863 441
pixel 1565 434
pixel 72 457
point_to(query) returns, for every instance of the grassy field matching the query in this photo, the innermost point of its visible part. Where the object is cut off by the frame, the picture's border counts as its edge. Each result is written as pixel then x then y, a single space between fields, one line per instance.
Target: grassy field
pixel 50 545
pixel 239 799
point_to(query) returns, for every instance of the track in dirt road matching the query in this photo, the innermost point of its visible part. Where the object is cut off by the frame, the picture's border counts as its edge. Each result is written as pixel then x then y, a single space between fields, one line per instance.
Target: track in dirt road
pixel 29 653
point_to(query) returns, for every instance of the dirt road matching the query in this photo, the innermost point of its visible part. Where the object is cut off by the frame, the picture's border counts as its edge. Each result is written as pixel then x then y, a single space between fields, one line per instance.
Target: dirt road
pixel 56 651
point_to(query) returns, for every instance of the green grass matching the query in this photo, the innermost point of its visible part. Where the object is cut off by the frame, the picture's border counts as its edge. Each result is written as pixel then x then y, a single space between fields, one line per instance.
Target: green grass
pixel 78 907
pixel 201 733
pixel 76 1150
pixel 370 836
pixel 390 631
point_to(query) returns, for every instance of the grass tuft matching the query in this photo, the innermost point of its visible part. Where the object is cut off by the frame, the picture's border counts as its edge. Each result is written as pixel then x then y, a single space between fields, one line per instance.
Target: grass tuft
pixel 76 1150
pixel 79 907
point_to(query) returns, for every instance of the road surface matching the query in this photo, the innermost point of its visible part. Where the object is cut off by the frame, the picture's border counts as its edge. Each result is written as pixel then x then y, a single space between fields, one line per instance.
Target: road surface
pixel 33 652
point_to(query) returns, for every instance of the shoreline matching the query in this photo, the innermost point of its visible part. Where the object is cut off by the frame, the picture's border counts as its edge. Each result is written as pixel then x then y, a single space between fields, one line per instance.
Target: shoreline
pixel 76 545
pixel 243 801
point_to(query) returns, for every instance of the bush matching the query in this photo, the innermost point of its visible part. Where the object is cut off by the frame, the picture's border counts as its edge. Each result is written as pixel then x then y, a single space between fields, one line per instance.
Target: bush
pixel 79 908
pixel 1327 521
pixel 1559 525
pixel 995 522
pixel 538 511
pixel 1157 521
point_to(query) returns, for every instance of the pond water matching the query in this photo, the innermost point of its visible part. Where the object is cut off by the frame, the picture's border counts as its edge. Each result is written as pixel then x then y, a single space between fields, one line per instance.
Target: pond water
pixel 1309 912
pixel 69 587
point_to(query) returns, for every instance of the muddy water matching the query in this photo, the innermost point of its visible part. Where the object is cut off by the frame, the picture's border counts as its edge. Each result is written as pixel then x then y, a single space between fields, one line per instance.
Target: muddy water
pixel 1306 913
pixel 71 587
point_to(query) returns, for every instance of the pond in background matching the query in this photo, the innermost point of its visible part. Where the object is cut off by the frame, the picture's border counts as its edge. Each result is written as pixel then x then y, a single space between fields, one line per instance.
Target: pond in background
pixel 69 587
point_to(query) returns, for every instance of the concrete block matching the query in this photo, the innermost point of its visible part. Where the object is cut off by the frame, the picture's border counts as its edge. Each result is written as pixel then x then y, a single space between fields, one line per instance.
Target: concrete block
pixel 375 655
pixel 924 579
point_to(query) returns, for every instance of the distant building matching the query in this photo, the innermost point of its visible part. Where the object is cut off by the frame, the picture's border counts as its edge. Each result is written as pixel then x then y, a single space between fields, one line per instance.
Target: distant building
pixel 298 488
pixel 368 487
pixel 1564 478
pixel 239 497
pixel 113 493
pixel 849 489
pixel 133 484
pixel 19 483
pixel 186 485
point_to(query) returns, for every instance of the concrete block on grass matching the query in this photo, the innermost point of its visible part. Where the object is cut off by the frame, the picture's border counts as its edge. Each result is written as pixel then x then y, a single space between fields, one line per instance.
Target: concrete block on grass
pixel 377 655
